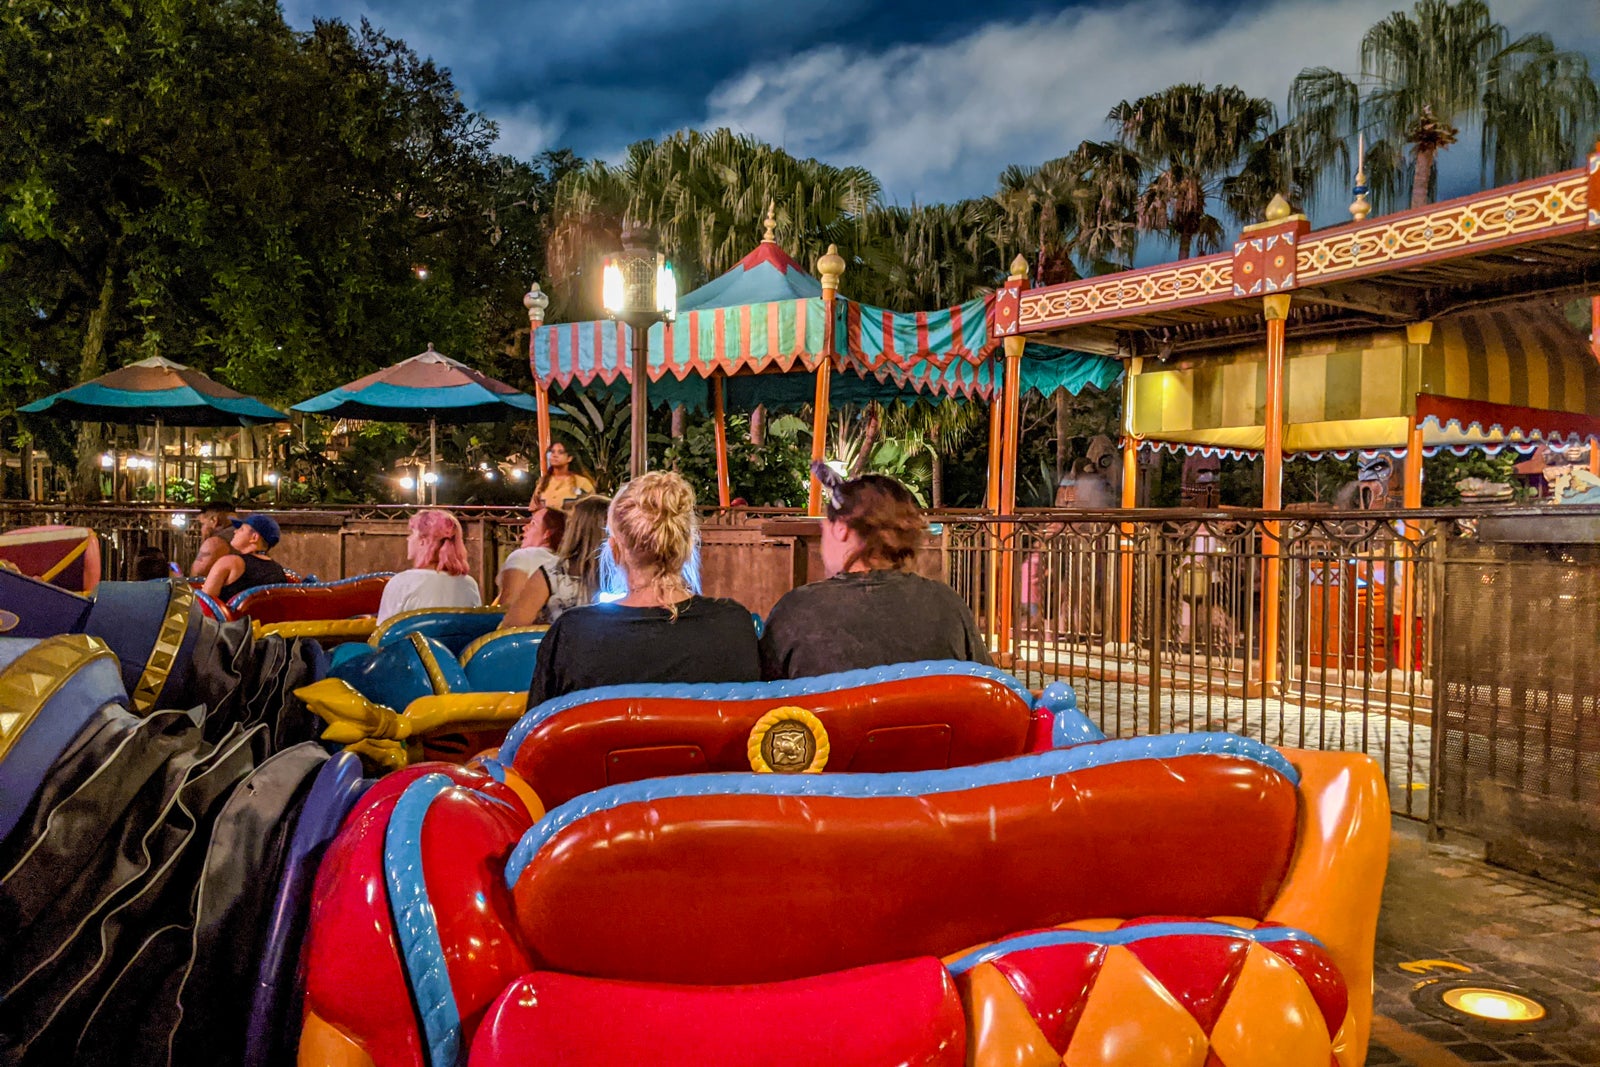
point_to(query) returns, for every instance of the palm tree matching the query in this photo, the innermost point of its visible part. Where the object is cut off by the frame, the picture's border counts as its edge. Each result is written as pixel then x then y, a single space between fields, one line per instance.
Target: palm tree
pixel 1191 140
pixel 704 194
pixel 926 256
pixel 1427 73
pixel 940 429
pixel 1078 209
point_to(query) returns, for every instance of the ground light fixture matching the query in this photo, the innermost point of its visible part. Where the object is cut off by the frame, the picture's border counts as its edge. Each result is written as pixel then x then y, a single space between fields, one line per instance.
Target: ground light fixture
pixel 1499 1005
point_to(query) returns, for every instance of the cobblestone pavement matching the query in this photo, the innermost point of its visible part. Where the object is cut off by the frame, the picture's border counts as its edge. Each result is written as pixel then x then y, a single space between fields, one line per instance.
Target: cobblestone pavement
pixel 1454 918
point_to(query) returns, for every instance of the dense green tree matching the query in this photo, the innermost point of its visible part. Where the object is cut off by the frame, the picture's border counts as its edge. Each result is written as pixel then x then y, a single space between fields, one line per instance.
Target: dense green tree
pixel 193 178
pixel 1430 71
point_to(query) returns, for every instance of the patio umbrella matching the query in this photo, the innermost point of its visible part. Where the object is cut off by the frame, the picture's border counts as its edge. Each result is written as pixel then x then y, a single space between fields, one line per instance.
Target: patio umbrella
pixel 155 392
pixel 429 387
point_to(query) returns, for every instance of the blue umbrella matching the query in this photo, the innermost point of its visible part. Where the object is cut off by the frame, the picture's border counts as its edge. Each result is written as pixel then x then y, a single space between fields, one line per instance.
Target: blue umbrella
pixel 155 392
pixel 430 387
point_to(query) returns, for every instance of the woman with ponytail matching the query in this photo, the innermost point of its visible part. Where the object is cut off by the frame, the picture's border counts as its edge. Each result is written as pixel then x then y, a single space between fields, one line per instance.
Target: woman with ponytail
pixel 438 577
pixel 661 631
pixel 873 609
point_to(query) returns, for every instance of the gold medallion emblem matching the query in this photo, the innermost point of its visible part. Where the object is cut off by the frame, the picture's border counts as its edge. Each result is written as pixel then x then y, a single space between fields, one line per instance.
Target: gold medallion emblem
pixel 788 740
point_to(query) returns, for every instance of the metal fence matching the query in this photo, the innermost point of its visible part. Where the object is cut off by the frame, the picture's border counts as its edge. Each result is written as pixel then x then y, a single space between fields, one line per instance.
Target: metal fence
pixel 1161 622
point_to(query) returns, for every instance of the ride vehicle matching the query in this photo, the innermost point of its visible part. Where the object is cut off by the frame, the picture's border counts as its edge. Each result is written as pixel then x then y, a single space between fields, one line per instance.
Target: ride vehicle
pixel 1002 885
pixel 968 874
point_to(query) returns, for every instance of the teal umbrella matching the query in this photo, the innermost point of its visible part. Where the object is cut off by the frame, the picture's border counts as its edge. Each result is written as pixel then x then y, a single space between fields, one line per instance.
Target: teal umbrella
pixel 155 392
pixel 429 387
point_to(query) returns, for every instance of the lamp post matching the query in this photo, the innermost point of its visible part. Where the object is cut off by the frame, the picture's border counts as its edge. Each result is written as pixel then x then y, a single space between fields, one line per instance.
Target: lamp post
pixel 537 302
pixel 638 289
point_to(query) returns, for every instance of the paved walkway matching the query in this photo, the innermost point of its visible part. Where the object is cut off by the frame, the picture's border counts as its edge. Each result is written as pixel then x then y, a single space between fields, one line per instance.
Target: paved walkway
pixel 1452 917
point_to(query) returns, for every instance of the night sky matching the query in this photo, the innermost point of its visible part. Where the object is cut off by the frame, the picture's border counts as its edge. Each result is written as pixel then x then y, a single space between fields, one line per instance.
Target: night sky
pixel 936 98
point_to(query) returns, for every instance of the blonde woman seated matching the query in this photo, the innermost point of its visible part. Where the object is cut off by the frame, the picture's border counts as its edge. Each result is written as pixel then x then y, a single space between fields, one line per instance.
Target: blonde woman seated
pixel 438 576
pixel 660 631
pixel 569 578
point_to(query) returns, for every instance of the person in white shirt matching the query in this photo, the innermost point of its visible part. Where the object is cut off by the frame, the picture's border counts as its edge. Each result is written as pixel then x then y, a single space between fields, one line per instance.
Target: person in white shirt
pixel 438 577
pixel 572 578
pixel 540 539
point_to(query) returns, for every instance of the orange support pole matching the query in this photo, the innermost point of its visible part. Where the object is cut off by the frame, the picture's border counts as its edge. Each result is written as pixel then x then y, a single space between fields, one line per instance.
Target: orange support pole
pixel 536 302
pixel 1008 489
pixel 1130 497
pixel 831 268
pixel 720 427
pixel 1277 313
pixel 1594 455
pixel 541 397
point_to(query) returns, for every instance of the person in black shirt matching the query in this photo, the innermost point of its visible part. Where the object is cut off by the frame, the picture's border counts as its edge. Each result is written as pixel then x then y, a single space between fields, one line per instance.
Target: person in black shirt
pixel 872 610
pixel 660 631
pixel 255 536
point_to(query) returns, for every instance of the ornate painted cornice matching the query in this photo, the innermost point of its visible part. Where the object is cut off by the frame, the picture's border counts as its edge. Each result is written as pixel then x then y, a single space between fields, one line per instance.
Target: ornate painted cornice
pixel 1281 256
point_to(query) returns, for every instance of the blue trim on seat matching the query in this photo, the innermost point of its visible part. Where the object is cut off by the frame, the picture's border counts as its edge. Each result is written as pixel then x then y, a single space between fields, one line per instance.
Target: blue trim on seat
pixel 781 690
pixel 1126 935
pixel 238 598
pixel 896 784
pixel 415 925
pixel 1070 726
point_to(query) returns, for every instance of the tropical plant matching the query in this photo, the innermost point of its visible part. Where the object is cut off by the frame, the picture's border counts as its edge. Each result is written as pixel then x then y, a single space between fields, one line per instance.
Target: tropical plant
pixel 1076 213
pixel 1429 72
pixel 773 474
pixel 927 255
pixel 940 429
pixel 1191 141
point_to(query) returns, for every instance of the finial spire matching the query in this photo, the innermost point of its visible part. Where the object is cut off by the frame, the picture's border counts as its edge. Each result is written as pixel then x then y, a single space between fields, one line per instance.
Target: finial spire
pixel 831 267
pixel 1019 267
pixel 1359 208
pixel 771 236
pixel 1278 209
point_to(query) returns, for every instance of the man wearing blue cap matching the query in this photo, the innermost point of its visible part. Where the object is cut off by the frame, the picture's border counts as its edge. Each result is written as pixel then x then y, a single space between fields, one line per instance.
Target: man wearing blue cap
pixel 254 537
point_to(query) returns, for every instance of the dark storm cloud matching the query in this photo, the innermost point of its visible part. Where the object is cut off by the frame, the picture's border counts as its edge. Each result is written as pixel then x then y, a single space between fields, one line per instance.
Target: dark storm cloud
pixel 935 97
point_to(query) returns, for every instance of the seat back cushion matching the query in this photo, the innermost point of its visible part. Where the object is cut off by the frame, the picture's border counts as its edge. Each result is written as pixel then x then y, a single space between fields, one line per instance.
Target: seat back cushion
pixel 454 628
pixel 399 673
pixel 502 661
pixel 672 879
pixel 901 1012
pixel 306 601
pixel 900 718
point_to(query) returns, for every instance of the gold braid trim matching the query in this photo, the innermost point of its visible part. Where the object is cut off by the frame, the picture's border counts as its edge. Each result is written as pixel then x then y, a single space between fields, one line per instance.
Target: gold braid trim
pixel 361 626
pixel 27 685
pixel 430 664
pixel 169 639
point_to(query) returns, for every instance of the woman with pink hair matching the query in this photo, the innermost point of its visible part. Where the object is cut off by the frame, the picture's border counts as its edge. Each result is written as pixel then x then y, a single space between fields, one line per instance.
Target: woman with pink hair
pixel 438 576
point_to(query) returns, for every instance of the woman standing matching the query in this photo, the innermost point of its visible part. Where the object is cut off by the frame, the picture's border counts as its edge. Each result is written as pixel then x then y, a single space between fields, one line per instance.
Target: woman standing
pixel 871 610
pixel 560 483
pixel 438 576
pixel 660 631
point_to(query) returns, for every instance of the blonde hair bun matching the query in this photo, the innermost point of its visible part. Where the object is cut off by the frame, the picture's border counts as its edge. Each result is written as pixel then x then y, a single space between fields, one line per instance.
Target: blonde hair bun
pixel 652 521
